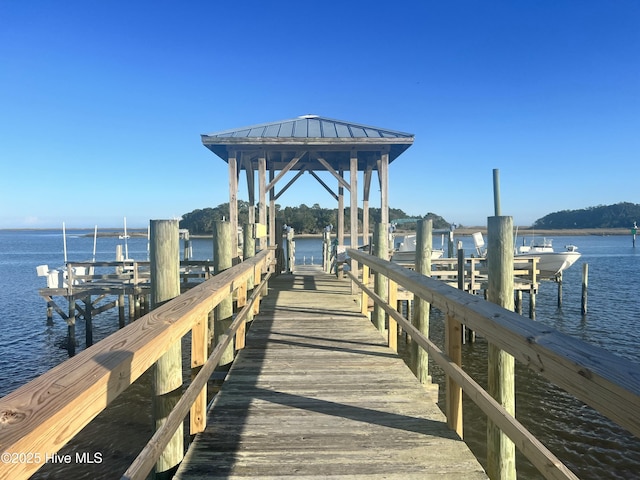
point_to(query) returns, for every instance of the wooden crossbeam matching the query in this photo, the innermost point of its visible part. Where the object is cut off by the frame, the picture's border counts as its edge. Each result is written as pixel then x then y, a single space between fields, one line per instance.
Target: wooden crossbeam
pixel 288 167
pixel 330 169
pixel 291 182
pixel 331 192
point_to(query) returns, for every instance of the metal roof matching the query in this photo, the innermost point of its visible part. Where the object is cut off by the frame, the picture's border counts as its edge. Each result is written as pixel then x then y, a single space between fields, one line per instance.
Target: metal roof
pixel 309 126
pixel 333 140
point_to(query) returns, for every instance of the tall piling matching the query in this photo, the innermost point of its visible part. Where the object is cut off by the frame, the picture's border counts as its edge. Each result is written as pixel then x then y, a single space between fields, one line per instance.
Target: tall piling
pixel 326 250
pixel 501 378
pixel 421 307
pixel 164 256
pixel 222 260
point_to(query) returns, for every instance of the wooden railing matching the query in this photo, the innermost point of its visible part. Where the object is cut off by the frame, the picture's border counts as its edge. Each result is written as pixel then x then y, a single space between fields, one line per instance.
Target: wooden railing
pixel 474 271
pixel 40 417
pixel 600 379
pixel 132 272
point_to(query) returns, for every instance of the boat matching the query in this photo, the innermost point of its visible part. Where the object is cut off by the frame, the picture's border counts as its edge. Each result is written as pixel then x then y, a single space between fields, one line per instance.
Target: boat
pixel 404 249
pixel 550 262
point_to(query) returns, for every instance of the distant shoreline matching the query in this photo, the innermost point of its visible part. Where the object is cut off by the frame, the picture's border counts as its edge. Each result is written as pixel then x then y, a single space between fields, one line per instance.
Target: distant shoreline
pixel 529 231
pixel 468 231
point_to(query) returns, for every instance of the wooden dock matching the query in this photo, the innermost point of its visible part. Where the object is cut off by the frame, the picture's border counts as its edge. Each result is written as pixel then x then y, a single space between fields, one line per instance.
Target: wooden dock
pixel 316 393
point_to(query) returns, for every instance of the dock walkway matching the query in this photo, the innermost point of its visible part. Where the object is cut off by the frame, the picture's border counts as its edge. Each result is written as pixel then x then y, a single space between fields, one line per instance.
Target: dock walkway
pixel 316 393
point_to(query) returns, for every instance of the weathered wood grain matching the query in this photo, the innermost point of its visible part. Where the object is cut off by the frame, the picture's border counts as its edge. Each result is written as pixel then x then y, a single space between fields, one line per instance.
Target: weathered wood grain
pixel 317 393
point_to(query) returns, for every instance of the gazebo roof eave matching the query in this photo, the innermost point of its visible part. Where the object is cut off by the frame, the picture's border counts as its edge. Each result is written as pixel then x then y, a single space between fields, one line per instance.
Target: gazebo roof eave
pixel 320 141
pixel 222 145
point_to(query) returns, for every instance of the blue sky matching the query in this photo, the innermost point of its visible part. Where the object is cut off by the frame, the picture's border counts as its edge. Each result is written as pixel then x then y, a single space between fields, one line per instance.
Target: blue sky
pixel 103 103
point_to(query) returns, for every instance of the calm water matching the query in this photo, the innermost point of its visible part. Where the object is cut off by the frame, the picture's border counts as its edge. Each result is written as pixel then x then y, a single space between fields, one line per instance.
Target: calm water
pixel 591 446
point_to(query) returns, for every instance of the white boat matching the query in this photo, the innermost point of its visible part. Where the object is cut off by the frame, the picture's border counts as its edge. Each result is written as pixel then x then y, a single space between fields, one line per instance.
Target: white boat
pixel 404 249
pixel 550 263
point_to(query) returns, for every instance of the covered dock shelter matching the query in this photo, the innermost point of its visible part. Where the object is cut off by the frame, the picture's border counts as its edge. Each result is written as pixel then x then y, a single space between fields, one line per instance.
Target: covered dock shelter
pixel 308 143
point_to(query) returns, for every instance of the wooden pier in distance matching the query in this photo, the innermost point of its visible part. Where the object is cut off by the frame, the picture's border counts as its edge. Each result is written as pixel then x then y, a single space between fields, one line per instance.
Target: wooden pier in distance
pixel 317 392
pixel 89 293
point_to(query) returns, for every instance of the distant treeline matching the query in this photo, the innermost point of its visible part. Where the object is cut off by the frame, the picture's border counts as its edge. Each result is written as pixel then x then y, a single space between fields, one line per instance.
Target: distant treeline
pixel 620 215
pixel 303 219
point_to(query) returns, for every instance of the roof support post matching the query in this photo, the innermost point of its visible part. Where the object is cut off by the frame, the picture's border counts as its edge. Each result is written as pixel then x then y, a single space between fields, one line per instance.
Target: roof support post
pixel 251 187
pixel 262 200
pixel 353 181
pixel 341 209
pixel 233 204
pixel 368 173
pixel 383 175
pixel 272 210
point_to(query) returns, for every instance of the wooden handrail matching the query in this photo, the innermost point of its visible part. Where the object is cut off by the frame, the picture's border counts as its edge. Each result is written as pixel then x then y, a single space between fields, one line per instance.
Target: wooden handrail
pixel 545 461
pixel 608 383
pixel 66 398
pixel 146 459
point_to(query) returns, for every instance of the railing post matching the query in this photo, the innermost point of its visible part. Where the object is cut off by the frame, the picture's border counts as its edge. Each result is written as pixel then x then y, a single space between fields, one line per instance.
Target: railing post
pixel 164 256
pixel 501 382
pixel 381 251
pixel 257 276
pixel 393 325
pixel 199 340
pixel 222 260
pixel 453 348
pixel 453 339
pixel 364 298
pixel 241 301
pixel 421 308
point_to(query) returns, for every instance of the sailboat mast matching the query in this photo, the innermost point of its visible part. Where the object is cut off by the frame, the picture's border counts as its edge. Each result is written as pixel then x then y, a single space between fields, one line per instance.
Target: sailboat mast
pixel 95 236
pixel 64 241
pixel 126 245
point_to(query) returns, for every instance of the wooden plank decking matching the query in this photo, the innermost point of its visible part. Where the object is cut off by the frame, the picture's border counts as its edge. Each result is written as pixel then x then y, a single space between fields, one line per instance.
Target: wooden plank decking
pixel 316 393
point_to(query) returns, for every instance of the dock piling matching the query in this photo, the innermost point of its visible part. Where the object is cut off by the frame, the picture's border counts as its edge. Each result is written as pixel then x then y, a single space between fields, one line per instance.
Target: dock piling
pixel 421 308
pixel 71 327
pixel 222 260
pixel 585 285
pixel 501 378
pixel 560 294
pixel 88 320
pixel 121 318
pixel 167 372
